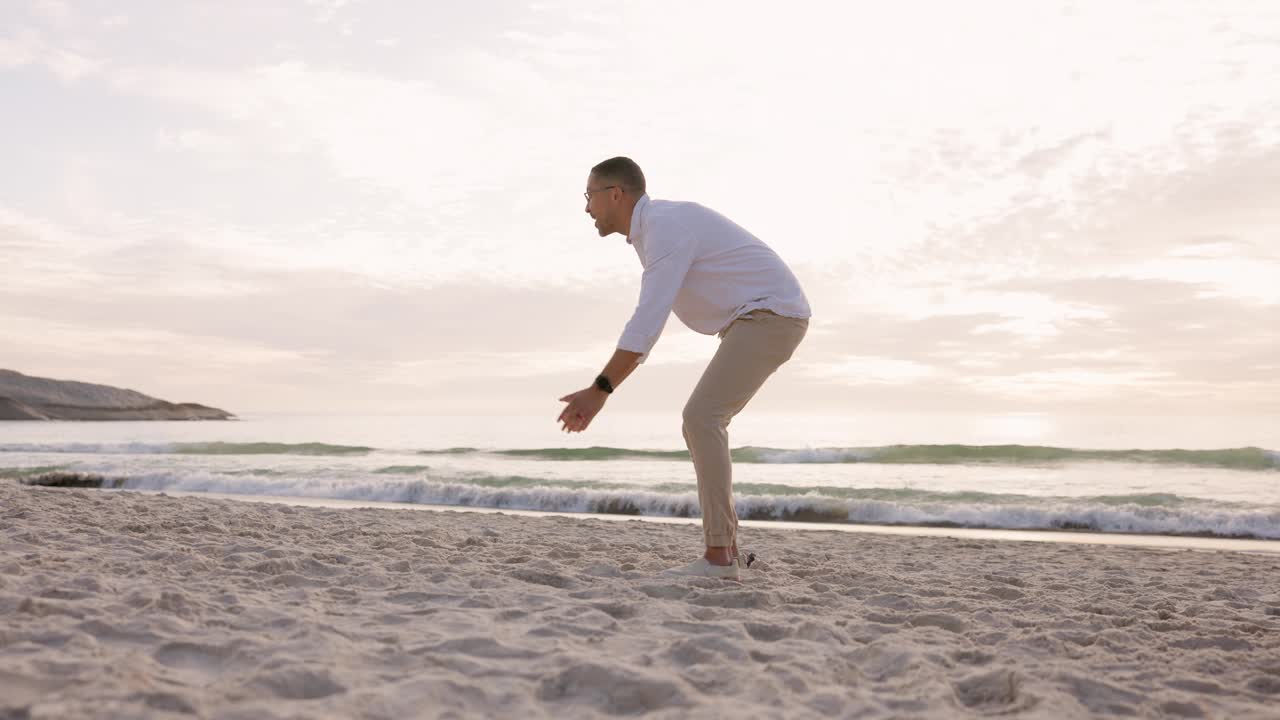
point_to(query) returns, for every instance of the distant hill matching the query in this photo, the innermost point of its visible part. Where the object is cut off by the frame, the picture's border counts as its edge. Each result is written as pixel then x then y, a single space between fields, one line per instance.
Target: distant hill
pixel 23 397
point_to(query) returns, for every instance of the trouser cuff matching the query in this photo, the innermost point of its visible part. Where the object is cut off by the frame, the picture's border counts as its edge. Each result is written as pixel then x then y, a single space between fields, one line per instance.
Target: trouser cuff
pixel 718 539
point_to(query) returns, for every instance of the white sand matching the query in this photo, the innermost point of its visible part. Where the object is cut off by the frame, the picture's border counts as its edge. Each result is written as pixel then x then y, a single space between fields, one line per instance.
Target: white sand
pixel 129 605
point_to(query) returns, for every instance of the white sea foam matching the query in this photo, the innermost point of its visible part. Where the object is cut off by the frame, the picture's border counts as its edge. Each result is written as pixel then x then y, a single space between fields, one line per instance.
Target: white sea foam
pixel 1186 517
pixel 816 455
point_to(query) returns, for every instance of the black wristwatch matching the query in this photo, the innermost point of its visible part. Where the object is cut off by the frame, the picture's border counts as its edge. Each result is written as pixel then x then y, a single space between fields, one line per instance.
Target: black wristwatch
pixel 603 383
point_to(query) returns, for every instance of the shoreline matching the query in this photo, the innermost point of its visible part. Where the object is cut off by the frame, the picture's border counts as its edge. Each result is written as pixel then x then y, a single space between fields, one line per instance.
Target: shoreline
pixel 1084 537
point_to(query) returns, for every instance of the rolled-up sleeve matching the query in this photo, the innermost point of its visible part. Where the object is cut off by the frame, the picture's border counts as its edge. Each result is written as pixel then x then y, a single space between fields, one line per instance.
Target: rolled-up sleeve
pixel 669 252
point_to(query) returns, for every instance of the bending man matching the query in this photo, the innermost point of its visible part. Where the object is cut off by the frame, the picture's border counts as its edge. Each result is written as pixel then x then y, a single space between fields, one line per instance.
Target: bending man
pixel 720 280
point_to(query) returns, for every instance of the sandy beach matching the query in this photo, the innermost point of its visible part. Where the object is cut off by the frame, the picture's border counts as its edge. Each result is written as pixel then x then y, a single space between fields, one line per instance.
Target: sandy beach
pixel 124 605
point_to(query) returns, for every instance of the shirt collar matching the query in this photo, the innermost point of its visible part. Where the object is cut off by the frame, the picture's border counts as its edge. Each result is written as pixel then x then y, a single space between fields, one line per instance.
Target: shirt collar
pixel 637 216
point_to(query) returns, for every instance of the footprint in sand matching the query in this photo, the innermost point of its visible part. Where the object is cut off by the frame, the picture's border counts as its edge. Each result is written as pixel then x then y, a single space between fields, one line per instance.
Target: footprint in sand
pixel 1100 697
pixel 542 577
pixel 763 632
pixel 166 701
pixel 719 651
pixel 613 690
pixel 298 683
pixel 1265 684
pixel 191 657
pixel 480 647
pixel 617 610
pixel 998 690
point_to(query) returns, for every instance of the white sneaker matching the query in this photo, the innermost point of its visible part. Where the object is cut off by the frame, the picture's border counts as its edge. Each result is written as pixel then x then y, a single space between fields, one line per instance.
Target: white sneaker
pixel 705 568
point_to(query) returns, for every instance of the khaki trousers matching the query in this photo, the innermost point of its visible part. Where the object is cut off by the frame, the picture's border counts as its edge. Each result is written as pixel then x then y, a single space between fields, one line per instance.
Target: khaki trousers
pixel 751 348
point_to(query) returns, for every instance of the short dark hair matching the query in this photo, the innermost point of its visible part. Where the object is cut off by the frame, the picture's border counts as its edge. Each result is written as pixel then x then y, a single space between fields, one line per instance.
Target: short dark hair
pixel 622 170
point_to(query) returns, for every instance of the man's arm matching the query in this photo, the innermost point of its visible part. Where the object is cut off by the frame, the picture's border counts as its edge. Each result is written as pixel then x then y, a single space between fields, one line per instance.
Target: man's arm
pixel 620 366
pixel 669 254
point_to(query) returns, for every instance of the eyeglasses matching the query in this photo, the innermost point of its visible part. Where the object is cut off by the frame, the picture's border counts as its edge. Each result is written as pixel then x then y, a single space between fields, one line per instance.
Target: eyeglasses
pixel 587 194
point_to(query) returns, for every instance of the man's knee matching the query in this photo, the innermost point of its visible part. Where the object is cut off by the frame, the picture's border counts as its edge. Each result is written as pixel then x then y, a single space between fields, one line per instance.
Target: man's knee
pixel 691 416
pixel 699 419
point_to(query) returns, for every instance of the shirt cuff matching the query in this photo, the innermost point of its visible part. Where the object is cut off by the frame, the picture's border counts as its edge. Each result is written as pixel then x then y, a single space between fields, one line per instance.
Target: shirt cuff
pixel 631 343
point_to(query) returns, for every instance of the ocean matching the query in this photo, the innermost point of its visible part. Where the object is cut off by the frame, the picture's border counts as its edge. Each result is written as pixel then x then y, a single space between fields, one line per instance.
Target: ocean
pixel 1196 476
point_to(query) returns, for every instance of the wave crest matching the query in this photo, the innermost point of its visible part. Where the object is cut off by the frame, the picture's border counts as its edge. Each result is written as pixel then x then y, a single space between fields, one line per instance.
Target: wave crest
pixel 1145 514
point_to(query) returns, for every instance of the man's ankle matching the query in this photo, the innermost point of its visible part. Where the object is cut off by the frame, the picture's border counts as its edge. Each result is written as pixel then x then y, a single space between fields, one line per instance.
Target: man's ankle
pixel 719 556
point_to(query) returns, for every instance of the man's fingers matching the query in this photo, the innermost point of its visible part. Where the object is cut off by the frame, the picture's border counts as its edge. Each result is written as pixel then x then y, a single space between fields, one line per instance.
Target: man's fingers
pixel 567 414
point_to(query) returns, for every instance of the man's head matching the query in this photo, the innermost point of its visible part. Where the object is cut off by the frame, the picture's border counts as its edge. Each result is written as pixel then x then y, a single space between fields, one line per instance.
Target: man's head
pixel 613 187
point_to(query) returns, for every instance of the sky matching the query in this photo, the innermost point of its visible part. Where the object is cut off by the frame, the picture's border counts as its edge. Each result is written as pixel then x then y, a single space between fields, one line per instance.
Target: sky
pixel 354 206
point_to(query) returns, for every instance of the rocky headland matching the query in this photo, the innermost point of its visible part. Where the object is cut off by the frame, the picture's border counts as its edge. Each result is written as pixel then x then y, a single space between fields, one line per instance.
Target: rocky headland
pixel 23 397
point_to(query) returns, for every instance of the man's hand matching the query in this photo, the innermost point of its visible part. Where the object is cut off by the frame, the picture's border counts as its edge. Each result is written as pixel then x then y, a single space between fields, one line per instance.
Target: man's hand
pixel 585 404
pixel 582 408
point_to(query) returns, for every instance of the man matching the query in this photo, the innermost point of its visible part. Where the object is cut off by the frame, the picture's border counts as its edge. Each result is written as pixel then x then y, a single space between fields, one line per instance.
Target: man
pixel 720 280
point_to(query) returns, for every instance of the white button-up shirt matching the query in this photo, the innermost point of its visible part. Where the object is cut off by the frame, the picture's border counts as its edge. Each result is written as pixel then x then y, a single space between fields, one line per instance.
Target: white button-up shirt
pixel 706 268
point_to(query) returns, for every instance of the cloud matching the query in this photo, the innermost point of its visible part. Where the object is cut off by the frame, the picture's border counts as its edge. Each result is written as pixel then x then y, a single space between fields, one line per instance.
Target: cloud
pixel 18 50
pixel 856 369
pixel 27 46
pixel 1171 327
pixel 195 140
pixel 55 12
pixel 1154 343
pixel 327 9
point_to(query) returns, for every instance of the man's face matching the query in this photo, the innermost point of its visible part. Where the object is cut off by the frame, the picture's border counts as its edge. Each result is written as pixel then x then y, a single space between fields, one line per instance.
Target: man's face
pixel 603 200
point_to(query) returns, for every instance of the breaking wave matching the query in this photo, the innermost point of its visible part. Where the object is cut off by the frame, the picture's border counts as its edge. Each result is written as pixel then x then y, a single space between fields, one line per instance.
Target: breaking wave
pixel 1155 513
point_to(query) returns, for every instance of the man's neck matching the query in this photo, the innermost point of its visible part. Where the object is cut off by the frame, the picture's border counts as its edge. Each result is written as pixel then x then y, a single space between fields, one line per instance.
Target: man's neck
pixel 631 220
pixel 629 214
